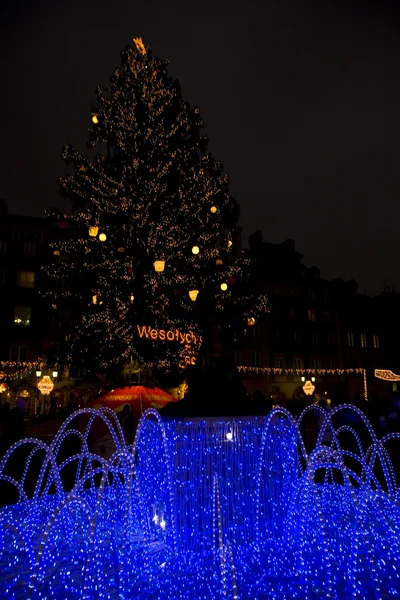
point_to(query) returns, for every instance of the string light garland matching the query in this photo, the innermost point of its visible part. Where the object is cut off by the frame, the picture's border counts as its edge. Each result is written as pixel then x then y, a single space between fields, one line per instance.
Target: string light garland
pixel 204 509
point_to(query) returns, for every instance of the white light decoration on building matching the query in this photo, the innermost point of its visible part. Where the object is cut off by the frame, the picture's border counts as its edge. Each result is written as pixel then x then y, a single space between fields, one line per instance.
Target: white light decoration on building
pixel 308 388
pixel 45 385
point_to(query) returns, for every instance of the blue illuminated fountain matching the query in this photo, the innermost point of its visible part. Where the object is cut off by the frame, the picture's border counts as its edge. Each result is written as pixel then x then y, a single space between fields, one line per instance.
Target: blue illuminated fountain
pixel 202 509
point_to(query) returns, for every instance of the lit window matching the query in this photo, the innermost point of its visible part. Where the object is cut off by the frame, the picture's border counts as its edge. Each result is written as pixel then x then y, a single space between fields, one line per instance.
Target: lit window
pixel 255 359
pixel 363 340
pixel 331 339
pixel 22 315
pixel 29 249
pixel 376 341
pixel 280 362
pixel 311 294
pixel 298 363
pixel 314 338
pixel 350 340
pixel 26 279
pixel 312 314
pixel 19 353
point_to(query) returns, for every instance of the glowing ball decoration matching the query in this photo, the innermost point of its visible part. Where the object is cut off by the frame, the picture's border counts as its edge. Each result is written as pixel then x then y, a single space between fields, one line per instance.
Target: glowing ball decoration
pixel 251 321
pixel 93 231
pixel 102 237
pixel 224 287
pixel 213 210
pixel 95 119
pixel 195 250
pixel 45 385
pixel 56 253
pixel 219 262
pixel 308 388
pixel 159 266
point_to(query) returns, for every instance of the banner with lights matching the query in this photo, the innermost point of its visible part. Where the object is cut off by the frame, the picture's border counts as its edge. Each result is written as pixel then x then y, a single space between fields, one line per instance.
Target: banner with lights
pixel 386 374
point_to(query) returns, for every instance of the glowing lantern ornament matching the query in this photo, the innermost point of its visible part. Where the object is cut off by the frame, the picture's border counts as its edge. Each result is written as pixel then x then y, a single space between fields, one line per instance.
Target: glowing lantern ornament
pixel 193 295
pixel 120 249
pixel 45 385
pixel 95 119
pixel 251 321
pixel 94 299
pixel 3 388
pixel 213 209
pixel 93 231
pixel 230 243
pixel 224 287
pixel 131 297
pixel 219 262
pixel 102 237
pixel 308 388
pixel 195 250
pixel 56 253
pixel 159 266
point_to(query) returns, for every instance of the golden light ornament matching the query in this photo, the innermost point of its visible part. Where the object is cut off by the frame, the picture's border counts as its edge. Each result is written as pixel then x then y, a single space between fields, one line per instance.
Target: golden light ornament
pixel 213 209
pixel 45 385
pixel 195 250
pixel 24 394
pixel 56 253
pixel 93 231
pixel 193 294
pixel 95 119
pixel 159 266
pixel 102 237
pixel 120 249
pixel 308 388
pixel 224 287
pixel 219 262
pixel 131 297
pixel 3 388
pixel 94 299
pixel 251 321
pixel 139 45
pixel 230 243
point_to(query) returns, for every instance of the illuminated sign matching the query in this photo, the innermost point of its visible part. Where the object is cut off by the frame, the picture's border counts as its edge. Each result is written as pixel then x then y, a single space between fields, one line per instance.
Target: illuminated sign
pixel 187 339
pixel 387 375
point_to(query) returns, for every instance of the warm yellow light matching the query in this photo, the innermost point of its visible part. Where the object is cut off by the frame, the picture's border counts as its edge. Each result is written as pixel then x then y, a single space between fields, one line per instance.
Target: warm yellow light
pixel 102 237
pixel 139 45
pixel 56 253
pixel 193 294
pixel 229 243
pixel 159 266
pixel 120 249
pixel 219 262
pixel 213 209
pixel 224 287
pixel 45 385
pixel 95 119
pixel 251 321
pixel 94 299
pixel 195 250
pixel 131 297
pixel 93 231
pixel 55 374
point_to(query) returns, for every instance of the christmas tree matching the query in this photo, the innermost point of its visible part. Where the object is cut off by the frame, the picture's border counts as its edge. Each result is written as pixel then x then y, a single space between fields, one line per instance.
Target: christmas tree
pixel 149 244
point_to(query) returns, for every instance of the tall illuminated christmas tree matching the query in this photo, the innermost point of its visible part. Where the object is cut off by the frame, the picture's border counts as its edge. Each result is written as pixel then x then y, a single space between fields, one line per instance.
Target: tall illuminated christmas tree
pixel 149 248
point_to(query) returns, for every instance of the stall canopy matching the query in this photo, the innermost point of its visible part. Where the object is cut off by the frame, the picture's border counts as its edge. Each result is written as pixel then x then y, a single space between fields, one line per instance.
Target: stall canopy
pixel 139 398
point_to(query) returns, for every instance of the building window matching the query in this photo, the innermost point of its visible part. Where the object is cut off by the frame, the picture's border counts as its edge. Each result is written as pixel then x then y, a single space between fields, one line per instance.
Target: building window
pixel 256 331
pixel 327 296
pixel 327 316
pixel 2 277
pixel 297 337
pixel 26 279
pixel 280 362
pixel 29 249
pixel 19 353
pixel 314 338
pixel 332 363
pixel 315 363
pixel 292 313
pixel 298 363
pixel 363 340
pixel 350 340
pixel 22 315
pixel 16 236
pixel 3 246
pixel 238 360
pixel 376 341
pixel 276 290
pixel 255 359
pixel 312 314
pixel 311 295
pixel 331 339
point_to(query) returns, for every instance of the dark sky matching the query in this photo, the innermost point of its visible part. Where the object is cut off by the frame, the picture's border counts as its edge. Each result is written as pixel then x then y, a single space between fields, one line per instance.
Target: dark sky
pixel 301 101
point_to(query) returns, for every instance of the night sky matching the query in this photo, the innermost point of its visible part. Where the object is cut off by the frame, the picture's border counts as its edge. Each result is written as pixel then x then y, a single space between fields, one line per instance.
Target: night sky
pixel 301 101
